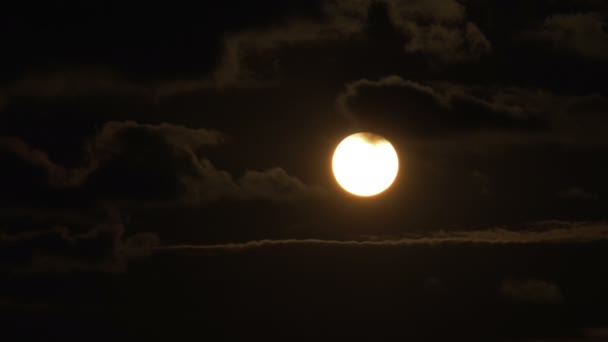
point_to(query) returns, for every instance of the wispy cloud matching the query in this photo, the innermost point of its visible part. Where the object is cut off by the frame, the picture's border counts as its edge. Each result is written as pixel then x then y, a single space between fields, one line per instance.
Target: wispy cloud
pixel 563 233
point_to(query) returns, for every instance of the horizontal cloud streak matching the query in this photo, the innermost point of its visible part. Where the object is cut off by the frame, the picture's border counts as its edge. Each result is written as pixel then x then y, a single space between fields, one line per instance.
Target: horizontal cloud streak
pixel 574 233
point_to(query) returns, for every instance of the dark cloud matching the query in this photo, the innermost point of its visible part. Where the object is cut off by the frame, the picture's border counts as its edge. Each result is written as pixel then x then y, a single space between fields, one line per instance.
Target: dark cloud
pixel 474 114
pixel 424 110
pixel 75 82
pixel 128 161
pixel 442 11
pixel 103 247
pixel 531 290
pixel 340 20
pixel 167 159
pixel 95 81
pixel 273 183
pixel 437 29
pixel 583 34
pixel 56 175
pixel 449 44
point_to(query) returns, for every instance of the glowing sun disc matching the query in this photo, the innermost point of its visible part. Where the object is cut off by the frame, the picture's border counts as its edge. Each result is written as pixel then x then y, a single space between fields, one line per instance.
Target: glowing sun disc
pixel 365 164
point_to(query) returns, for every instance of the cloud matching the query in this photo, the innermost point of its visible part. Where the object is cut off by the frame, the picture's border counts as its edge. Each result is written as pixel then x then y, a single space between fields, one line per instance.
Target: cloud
pixel 114 133
pixel 106 247
pixel 132 163
pixel 562 232
pixel 474 115
pixel 429 110
pixel 109 142
pixel 340 20
pixel 436 28
pixel 99 81
pixel 75 82
pixel 576 193
pixel 165 157
pixel 439 28
pixel 584 34
pixel 531 290
pixel 272 183
pixel 103 247
pixel 448 44
pixel 57 175
pixel 442 11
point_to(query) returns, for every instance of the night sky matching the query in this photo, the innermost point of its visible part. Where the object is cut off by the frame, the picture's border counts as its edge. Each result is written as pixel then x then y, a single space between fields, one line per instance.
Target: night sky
pixel 165 171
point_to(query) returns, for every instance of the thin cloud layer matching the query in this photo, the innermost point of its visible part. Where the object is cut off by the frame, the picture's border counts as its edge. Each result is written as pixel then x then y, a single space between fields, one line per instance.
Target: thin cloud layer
pixel 573 233
pixel 98 81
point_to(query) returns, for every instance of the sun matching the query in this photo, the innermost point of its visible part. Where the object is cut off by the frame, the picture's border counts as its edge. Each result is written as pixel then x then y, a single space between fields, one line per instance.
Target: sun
pixel 365 164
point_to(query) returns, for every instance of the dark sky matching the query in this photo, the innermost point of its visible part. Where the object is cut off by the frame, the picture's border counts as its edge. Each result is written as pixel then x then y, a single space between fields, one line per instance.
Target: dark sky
pixel 165 170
